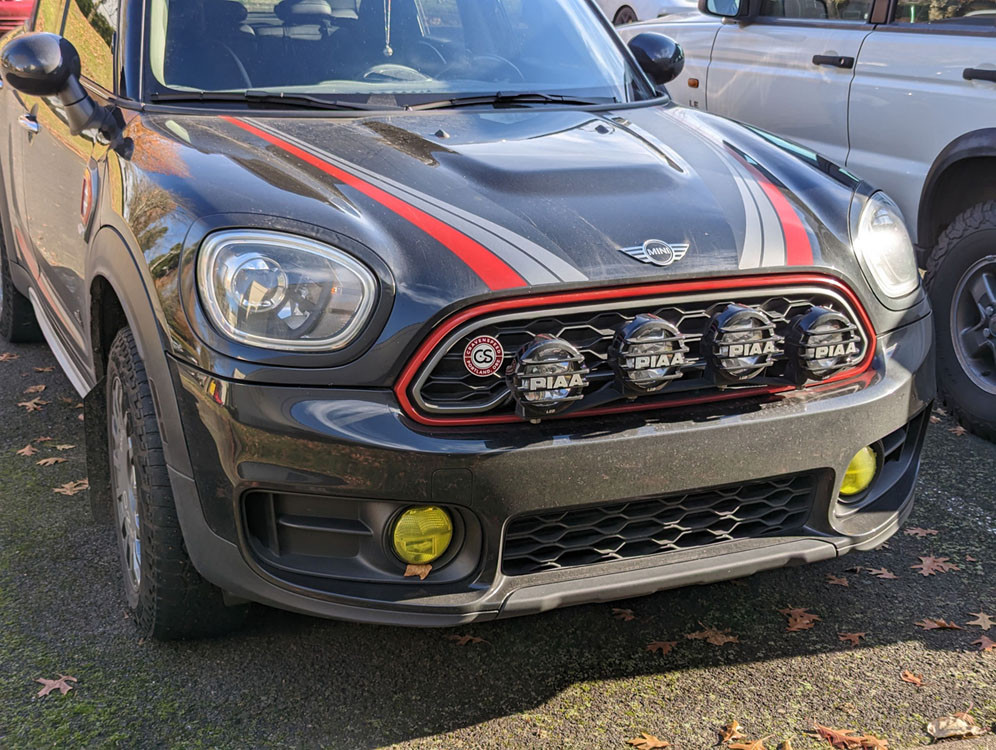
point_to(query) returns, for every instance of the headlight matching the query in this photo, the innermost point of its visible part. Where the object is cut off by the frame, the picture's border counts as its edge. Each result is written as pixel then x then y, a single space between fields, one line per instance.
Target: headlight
pixel 882 241
pixel 281 291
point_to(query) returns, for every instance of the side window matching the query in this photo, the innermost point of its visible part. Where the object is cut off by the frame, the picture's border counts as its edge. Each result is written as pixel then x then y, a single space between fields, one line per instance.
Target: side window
pixel 857 11
pixel 90 26
pixel 970 13
pixel 48 15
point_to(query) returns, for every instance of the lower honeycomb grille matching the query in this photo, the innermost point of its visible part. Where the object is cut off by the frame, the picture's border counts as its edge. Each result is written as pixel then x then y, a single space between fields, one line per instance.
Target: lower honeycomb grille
pixel 589 535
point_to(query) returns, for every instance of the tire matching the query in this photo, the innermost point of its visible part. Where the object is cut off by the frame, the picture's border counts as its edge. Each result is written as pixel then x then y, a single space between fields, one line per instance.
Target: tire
pixel 18 324
pixel 167 597
pixel 624 15
pixel 966 384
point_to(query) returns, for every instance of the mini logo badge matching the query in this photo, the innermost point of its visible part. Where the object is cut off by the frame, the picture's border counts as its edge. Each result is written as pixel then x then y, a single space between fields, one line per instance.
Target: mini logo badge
pixel 483 356
pixel 658 252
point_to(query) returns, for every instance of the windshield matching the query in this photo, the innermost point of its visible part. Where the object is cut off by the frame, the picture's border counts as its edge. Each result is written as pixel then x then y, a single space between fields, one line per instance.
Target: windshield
pixel 388 52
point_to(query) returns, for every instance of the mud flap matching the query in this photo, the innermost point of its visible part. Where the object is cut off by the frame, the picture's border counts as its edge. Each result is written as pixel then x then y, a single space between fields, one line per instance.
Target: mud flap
pixel 97 466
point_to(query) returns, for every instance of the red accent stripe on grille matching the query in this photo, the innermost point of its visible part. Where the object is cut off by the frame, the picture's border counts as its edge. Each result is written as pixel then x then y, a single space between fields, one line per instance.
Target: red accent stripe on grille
pixel 442 330
pixel 492 270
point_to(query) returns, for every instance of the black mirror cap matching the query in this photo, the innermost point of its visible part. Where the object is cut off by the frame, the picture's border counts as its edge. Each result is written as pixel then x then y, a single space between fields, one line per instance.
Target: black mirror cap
pixel 660 57
pixel 39 64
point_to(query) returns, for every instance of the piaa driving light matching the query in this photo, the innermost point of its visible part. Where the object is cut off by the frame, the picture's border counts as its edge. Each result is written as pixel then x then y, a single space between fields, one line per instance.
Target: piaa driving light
pixel 739 344
pixel 421 535
pixel 884 245
pixel 820 344
pixel 860 473
pixel 281 291
pixel 546 376
pixel 647 354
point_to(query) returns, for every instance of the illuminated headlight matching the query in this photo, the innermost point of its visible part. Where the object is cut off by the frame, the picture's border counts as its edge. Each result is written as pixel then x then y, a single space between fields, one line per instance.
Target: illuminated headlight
pixel 739 344
pixel 281 291
pixel 820 344
pixel 647 354
pixel 884 245
pixel 546 377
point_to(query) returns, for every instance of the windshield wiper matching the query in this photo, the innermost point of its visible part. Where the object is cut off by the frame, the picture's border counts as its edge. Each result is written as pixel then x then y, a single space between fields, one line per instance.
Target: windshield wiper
pixel 265 97
pixel 524 99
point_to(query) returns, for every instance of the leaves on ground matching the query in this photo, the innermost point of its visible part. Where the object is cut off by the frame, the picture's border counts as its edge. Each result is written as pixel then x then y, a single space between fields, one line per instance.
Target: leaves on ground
pixel 61 684
pixel 647 742
pixel 985 643
pixel 45 369
pixel 958 430
pixel 931 623
pixel 9 357
pixel 755 745
pixel 661 647
pixel 28 450
pixel 626 615
pixel 34 404
pixel 883 573
pixel 72 488
pixel 463 640
pixel 42 439
pixel 731 732
pixel 837 581
pixel 913 679
pixel 921 533
pixel 981 620
pixel 799 618
pixel 713 636
pixel 34 388
pixel 930 565
pixel 853 638
pixel 958 726
pixel 848 739
pixel 418 570
pixel 51 461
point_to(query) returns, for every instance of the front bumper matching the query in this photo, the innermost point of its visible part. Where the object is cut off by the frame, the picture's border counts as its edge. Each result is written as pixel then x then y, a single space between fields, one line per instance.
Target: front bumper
pixel 356 449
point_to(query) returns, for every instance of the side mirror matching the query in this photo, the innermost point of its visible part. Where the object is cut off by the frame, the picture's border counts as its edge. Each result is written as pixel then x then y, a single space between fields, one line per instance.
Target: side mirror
pixel 660 57
pixel 43 64
pixel 725 8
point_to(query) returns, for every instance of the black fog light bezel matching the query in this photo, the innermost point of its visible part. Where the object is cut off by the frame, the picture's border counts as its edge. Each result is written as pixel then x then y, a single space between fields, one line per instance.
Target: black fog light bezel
pixel 530 355
pixel 728 322
pixel 645 330
pixel 802 352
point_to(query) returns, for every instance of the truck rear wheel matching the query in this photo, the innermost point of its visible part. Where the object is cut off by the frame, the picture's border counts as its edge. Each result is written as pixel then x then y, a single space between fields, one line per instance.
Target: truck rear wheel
pixel 167 597
pixel 961 282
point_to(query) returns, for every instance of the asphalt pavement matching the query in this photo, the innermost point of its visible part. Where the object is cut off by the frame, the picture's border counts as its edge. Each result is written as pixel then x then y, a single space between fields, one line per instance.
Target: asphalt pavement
pixel 575 678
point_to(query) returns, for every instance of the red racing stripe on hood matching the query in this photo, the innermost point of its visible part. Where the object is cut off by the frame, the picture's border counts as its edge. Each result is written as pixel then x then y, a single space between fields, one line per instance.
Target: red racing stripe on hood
pixel 798 249
pixel 492 270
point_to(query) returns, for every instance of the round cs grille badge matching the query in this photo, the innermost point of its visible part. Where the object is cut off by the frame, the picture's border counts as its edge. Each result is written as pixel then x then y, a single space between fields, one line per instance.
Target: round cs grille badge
pixel 483 356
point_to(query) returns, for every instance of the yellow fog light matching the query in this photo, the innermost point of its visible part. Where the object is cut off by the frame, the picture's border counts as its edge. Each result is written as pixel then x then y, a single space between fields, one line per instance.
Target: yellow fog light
pixel 860 472
pixel 422 534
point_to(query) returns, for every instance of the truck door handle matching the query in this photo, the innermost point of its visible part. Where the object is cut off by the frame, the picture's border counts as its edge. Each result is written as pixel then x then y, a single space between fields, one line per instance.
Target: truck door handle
pixel 978 74
pixel 834 61
pixel 29 123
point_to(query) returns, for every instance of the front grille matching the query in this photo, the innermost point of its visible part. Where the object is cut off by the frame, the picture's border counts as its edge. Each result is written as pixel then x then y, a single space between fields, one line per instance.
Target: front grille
pixel 594 534
pixel 444 386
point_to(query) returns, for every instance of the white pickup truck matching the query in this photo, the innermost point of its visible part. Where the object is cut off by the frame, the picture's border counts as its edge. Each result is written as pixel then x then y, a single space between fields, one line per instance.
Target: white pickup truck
pixel 902 93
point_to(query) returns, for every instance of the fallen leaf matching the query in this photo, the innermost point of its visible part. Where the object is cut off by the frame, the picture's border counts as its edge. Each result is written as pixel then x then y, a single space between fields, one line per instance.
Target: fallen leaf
pixel 959 725
pixel 64 447
pixel 755 745
pixel 840 738
pixel 921 533
pixel 28 450
pixel 44 369
pixel 985 643
pixel 982 620
pixel 9 357
pixel 51 461
pixel 934 419
pixel 34 388
pixel 786 745
pixel 913 679
pixel 852 638
pixel 34 404
pixel 957 430
pixel 463 640
pixel 81 418
pixel 713 636
pixel 837 581
pixel 969 558
pixel 626 615
pixel 730 732
pixel 883 573
pixel 870 742
pixel 647 742
pixel 799 619
pixel 929 565
pixel 661 647
pixel 61 684
pixel 931 623
pixel 67 400
pixel 418 570
pixel 72 488
pixel 42 439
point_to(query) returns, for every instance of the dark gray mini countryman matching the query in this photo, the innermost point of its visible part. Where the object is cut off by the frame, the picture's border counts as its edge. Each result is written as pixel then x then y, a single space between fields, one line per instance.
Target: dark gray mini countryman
pixel 432 311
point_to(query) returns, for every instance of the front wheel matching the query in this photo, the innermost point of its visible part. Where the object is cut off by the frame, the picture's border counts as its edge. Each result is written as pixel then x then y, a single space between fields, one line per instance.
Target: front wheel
pixel 167 597
pixel 961 282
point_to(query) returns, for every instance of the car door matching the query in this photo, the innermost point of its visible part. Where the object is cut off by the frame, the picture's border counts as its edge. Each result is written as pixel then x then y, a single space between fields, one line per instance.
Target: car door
pixel 56 173
pixel 922 80
pixel 790 68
